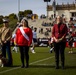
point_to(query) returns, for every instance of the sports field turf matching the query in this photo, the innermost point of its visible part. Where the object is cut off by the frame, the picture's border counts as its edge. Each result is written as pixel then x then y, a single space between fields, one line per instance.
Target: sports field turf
pixel 41 63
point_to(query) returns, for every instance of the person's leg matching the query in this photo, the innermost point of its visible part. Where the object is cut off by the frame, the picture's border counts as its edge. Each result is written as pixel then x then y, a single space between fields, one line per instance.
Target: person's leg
pixel 51 48
pixel 22 55
pixel 69 49
pixel 27 56
pixel 56 50
pixel 13 48
pixel 16 49
pixel 72 47
pixel 62 48
pixel 33 47
pixel 4 50
pixel 8 49
pixel 33 50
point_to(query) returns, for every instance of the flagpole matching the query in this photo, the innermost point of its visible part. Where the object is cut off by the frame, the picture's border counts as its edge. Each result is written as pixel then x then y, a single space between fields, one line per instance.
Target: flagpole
pixel 18 9
pixel 54 8
pixel 47 8
pixel 75 3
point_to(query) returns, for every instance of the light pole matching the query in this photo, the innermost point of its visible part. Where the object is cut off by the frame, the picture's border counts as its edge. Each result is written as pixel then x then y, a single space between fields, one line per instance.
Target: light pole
pixel 47 5
pixel 54 8
pixel 75 3
pixel 18 9
pixel 47 9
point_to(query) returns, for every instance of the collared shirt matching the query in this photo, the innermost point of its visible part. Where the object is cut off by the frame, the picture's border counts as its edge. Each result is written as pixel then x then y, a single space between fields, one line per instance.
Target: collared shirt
pixel 60 31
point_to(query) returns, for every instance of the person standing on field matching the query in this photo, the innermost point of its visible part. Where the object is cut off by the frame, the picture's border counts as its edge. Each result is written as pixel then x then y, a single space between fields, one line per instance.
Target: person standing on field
pixel 24 40
pixel 59 33
pixel 34 41
pixel 6 35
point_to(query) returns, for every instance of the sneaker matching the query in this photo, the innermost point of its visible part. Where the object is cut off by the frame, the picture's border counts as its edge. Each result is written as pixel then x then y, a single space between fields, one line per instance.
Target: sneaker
pixel 22 66
pixel 13 50
pixel 51 50
pixel 33 51
pixel 57 67
pixel 71 51
pixel 31 48
pixel 63 67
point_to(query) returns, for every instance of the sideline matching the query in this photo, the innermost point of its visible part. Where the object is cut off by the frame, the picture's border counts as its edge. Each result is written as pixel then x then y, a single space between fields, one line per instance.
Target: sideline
pixel 29 64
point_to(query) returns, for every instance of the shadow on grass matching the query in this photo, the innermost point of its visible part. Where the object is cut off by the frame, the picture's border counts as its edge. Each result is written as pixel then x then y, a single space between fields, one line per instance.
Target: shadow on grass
pixel 70 67
pixel 42 66
pixel 16 66
pixel 74 53
pixel 46 66
pixel 50 66
pixel 13 66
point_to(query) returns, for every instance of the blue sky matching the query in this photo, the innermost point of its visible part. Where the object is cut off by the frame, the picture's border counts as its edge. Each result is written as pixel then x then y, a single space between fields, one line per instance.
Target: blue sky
pixel 37 6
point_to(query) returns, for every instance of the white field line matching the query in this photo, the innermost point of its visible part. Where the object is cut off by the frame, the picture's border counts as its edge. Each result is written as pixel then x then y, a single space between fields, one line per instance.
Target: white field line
pixel 45 64
pixel 41 60
pixel 29 64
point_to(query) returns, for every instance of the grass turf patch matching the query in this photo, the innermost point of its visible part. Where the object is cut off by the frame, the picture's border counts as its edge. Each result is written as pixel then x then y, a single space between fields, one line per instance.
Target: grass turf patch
pixel 41 63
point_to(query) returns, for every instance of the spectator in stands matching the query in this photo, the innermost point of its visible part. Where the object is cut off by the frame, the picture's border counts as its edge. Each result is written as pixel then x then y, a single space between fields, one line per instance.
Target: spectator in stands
pixel 59 33
pixel 39 29
pixel 74 34
pixel 24 40
pixel 70 43
pixel 34 41
pixel 5 37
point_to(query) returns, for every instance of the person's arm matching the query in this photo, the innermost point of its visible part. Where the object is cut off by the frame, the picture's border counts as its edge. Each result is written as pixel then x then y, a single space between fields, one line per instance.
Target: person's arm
pixel 53 34
pixel 65 33
pixel 30 37
pixel 9 34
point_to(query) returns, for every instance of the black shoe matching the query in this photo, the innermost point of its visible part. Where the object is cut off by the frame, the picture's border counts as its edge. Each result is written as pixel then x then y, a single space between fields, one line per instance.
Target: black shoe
pixel 57 67
pixel 50 51
pixel 22 66
pixel 63 67
pixel 26 66
pixel 8 65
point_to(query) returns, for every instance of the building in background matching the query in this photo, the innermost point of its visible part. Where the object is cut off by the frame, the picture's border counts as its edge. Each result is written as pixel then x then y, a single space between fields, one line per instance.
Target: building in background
pixel 66 10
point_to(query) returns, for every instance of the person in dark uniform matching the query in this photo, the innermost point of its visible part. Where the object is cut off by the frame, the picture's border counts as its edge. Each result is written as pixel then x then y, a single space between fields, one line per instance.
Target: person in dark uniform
pixel 70 43
pixel 59 33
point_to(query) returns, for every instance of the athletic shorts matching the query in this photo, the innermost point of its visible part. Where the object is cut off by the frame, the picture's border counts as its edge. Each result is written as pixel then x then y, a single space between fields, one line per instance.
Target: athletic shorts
pixel 34 40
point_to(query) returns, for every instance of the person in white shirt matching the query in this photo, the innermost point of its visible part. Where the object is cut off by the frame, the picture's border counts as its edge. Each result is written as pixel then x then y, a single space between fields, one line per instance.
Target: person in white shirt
pixel 34 41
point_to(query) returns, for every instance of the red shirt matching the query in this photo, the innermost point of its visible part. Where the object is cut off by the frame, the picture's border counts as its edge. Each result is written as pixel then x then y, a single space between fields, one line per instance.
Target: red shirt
pixel 59 32
pixel 21 40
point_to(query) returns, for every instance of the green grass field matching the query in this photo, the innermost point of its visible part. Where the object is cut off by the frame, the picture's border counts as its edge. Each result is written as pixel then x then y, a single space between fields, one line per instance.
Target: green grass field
pixel 41 63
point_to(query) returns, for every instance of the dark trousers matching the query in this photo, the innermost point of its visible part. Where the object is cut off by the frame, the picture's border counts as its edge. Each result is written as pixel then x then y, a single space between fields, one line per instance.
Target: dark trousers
pixel 6 48
pixel 24 54
pixel 59 49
